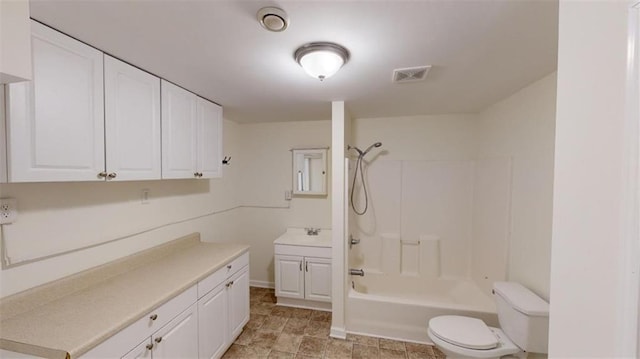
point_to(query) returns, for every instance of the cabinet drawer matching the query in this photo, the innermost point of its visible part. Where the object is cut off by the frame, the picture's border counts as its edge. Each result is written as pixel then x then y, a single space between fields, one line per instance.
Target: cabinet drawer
pixel 219 276
pixel 129 337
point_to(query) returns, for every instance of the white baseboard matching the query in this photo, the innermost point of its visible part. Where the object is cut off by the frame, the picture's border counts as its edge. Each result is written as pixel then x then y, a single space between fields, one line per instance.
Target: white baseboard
pixel 339 333
pixel 261 284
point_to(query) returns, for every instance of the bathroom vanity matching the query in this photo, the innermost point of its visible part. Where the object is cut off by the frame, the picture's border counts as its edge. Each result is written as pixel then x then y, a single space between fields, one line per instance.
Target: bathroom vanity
pixel 303 268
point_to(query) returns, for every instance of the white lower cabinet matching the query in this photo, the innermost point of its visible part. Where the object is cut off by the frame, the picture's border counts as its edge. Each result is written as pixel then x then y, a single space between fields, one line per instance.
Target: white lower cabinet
pixel 303 277
pixel 223 311
pixel 201 322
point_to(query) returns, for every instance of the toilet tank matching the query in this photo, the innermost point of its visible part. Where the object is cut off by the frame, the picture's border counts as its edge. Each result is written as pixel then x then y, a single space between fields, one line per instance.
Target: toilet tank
pixel 523 316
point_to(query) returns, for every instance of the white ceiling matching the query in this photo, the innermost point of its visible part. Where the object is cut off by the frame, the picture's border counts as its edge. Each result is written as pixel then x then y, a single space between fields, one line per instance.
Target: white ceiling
pixel 481 51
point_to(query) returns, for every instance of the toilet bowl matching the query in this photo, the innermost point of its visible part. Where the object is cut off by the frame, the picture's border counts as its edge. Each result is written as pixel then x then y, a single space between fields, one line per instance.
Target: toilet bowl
pixel 463 337
pixel 524 322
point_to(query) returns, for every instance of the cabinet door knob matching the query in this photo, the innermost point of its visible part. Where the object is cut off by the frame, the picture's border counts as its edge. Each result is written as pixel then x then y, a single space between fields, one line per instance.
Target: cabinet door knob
pixel 200 174
pixel 195 174
pixel 229 266
pixel 158 339
pixel 149 346
pixel 112 175
pixel 102 174
pixel 153 317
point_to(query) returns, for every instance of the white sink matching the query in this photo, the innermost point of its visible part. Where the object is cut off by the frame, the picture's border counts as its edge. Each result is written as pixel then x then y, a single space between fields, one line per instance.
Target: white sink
pixel 299 237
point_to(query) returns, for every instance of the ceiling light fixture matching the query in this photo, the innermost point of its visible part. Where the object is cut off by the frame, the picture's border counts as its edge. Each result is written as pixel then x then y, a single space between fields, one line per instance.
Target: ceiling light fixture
pixel 321 60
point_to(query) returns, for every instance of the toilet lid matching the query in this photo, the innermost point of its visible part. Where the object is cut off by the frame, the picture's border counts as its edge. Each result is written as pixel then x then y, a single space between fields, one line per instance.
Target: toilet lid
pixel 465 332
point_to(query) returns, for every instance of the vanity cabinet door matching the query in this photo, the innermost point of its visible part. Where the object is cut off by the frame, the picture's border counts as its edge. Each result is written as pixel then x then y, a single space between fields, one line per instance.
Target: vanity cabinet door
pixel 317 279
pixel 289 276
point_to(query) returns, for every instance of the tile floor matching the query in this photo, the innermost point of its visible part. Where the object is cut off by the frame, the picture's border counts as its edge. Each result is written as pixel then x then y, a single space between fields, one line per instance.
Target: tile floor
pixel 282 332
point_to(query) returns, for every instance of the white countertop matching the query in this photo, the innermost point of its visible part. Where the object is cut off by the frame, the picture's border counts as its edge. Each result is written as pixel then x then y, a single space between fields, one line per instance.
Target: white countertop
pixel 67 318
pixel 299 237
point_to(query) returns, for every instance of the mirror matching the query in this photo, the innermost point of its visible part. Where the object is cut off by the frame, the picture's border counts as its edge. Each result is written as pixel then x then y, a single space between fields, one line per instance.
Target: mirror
pixel 310 171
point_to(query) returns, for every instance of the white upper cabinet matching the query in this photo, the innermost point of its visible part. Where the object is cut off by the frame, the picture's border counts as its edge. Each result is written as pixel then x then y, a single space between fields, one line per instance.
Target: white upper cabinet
pixel 179 130
pixel 191 134
pixel 209 139
pixel 56 122
pixel 132 122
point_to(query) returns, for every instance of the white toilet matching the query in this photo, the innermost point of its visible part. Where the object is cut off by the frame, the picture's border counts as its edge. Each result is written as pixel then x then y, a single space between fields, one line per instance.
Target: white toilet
pixel 523 317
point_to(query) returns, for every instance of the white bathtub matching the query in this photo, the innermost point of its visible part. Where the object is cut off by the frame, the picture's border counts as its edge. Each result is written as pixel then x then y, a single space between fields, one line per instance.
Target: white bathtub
pixel 400 307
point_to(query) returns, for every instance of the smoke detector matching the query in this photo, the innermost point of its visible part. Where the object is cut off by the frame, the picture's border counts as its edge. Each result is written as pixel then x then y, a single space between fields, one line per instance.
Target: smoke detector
pixel 411 74
pixel 273 19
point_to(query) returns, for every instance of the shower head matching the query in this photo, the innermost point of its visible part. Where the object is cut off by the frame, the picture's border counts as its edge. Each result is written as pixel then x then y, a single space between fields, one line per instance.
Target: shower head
pixel 377 144
pixel 361 153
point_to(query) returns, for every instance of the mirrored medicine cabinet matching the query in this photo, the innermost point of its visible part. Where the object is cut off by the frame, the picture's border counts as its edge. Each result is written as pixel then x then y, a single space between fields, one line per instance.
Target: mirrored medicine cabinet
pixel 309 171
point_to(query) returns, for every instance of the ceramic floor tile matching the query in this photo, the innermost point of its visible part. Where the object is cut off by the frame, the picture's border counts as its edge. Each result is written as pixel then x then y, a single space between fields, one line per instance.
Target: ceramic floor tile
pixel 438 354
pixel 392 354
pixel 313 347
pixel 420 355
pixel 317 329
pixel 365 352
pixel 254 352
pixel 280 355
pixel 282 311
pixel 264 339
pixel 245 337
pixel 363 340
pixel 295 326
pixel 233 352
pixel 317 315
pixel 274 323
pixel 256 320
pixel 261 308
pixel 301 313
pixel 391 344
pixel 288 343
pixel 418 348
pixel 268 297
pixel 338 349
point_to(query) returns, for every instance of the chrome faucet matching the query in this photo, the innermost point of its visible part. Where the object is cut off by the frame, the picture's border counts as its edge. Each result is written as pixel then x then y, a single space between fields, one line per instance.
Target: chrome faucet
pixel 312 231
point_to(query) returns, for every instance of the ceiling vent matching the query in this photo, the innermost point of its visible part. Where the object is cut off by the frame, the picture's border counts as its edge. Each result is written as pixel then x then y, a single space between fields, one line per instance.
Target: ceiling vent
pixel 411 74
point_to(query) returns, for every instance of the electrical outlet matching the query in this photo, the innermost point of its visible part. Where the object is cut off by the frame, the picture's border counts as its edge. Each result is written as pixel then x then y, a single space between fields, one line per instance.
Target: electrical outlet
pixel 287 195
pixel 8 210
pixel 144 196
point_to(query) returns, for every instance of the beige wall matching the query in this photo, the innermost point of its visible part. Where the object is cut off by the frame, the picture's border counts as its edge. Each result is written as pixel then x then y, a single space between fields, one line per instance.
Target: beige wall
pixel 512 226
pixel 266 175
pixel 62 217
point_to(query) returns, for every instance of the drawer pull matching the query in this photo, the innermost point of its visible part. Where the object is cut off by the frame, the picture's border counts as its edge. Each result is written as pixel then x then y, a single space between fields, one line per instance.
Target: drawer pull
pixel 229 284
pixel 150 346
pixel 158 339
pixel 153 317
pixel 229 266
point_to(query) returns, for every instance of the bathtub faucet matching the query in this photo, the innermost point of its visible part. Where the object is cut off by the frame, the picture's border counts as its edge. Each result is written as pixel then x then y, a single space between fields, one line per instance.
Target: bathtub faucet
pixel 312 231
pixel 359 272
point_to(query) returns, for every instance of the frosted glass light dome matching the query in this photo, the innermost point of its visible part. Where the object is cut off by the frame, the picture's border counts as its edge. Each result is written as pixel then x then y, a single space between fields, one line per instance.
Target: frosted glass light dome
pixel 321 59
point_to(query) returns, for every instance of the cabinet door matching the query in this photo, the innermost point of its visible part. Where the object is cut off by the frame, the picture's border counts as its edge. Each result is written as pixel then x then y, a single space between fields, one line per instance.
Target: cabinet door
pixel 132 121
pixel 238 302
pixel 179 338
pixel 289 276
pixel 213 332
pixel 209 139
pixel 179 132
pixel 56 121
pixel 317 279
pixel 142 351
